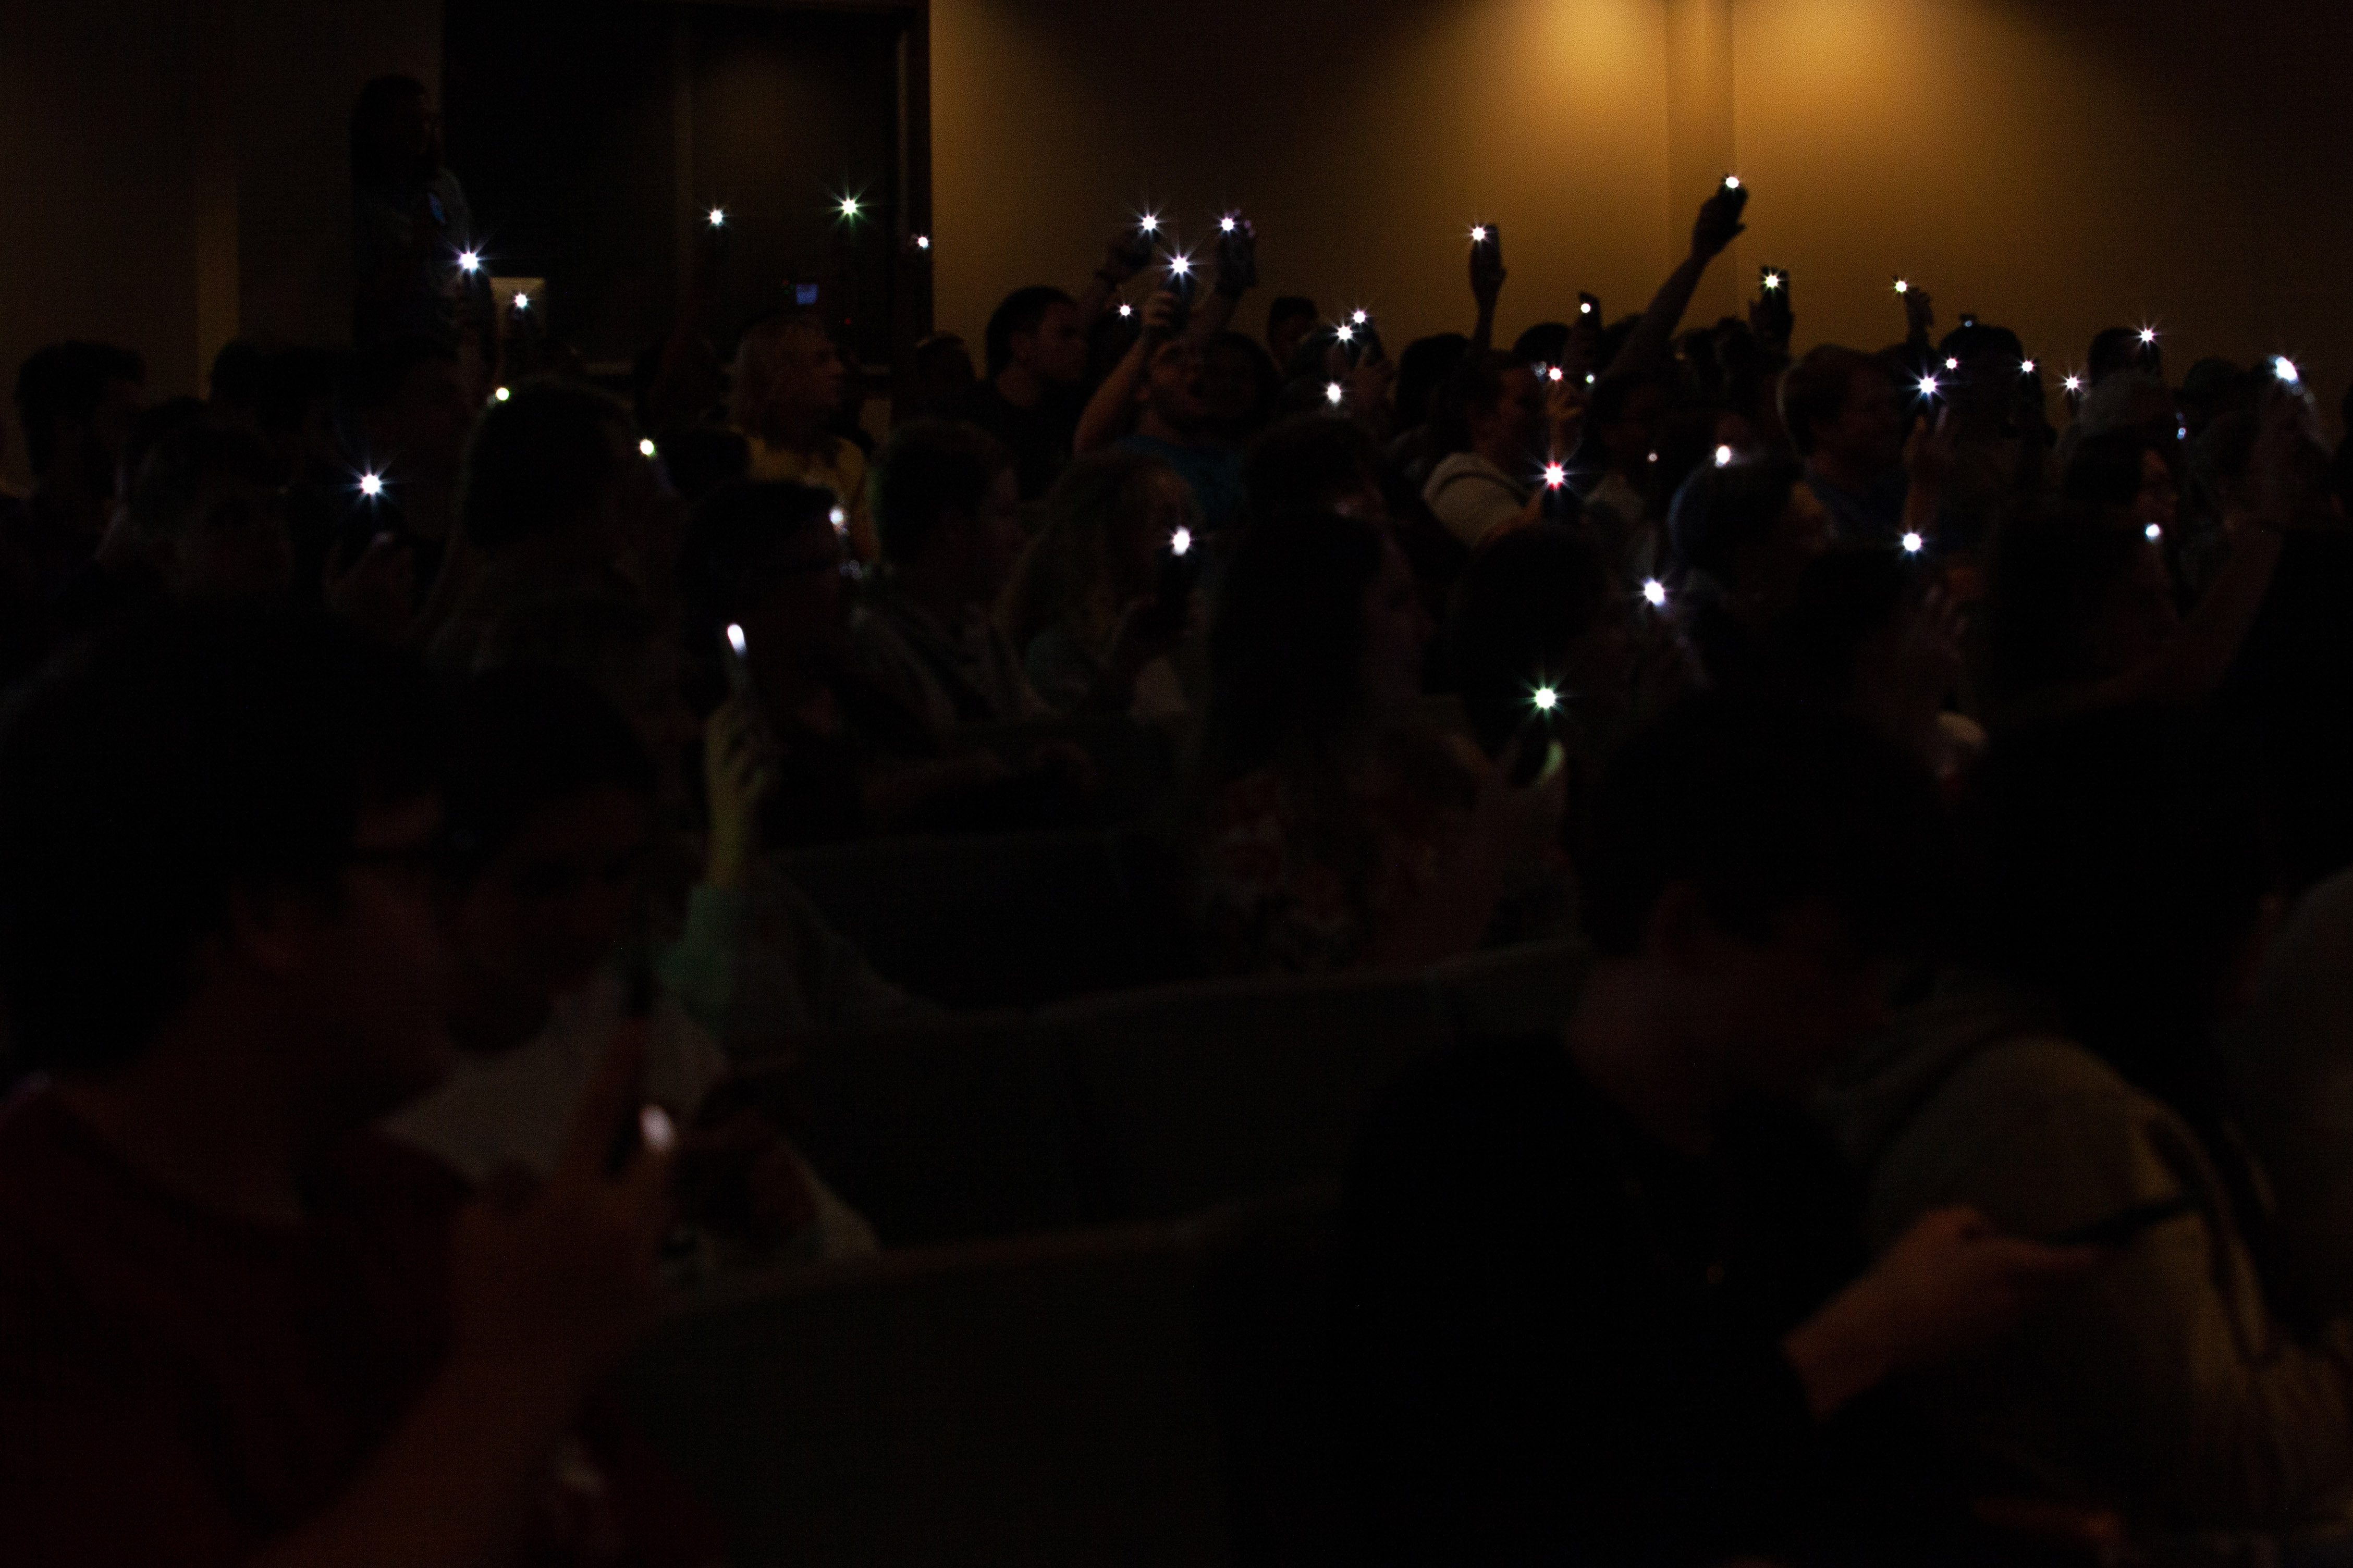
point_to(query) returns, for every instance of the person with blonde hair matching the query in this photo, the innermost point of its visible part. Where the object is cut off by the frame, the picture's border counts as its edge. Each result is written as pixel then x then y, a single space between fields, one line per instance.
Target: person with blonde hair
pixel 790 381
pixel 1083 608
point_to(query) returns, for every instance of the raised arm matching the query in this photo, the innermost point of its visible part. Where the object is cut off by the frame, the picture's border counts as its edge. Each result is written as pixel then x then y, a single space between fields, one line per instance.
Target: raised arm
pixel 1487 277
pixel 1237 276
pixel 1717 225
pixel 1112 409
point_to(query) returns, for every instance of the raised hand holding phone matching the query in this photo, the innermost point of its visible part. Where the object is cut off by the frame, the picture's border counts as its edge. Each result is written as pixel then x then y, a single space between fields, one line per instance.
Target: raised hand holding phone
pixel 1487 272
pixel 1236 256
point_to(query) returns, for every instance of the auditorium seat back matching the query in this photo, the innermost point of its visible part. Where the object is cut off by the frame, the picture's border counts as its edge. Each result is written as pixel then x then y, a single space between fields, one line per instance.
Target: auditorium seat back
pixel 1046 1401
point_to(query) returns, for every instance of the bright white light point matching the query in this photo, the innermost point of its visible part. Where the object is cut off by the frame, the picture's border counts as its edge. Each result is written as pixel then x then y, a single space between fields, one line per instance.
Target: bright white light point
pixel 1723 457
pixel 2284 368
pixel 469 261
pixel 1125 308
pixel 850 207
pixel 645 447
pixel 1333 392
pixel 2026 367
pixel 1226 226
pixel 1654 456
pixel 2154 531
pixel 735 639
pixel 2072 383
pixel 718 217
pixel 371 486
pixel 1554 475
pixel 1902 286
pixel 923 242
pixel 1180 265
pixel 1952 364
pixel 522 301
pixel 1556 374
pixel 1731 181
pixel 1655 591
pixel 1912 544
pixel 1585 307
pixel 1149 223
pixel 839 519
pixel 1346 335
pixel 1546 699
pixel 1589 378
pixel 2181 432
pixel 1478 233
pixel 502 395
pixel 1927 387
pixel 1180 542
pixel 1772 280
pixel 2148 335
pixel 657 1129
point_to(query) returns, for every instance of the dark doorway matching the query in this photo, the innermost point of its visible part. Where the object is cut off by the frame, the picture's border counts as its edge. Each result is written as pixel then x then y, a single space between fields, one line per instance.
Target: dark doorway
pixel 595 136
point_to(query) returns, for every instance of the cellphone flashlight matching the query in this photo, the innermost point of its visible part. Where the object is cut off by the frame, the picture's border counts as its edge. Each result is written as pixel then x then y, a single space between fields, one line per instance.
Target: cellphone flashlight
pixel 2026 367
pixel 1344 333
pixel 1723 457
pixel 1902 286
pixel 1180 542
pixel 1225 224
pixel 522 301
pixel 470 262
pixel 1333 393
pixel 2074 383
pixel 2152 532
pixel 2284 368
pixel 1478 233
pixel 736 640
pixel 839 519
pixel 1771 281
pixel 1927 387
pixel 719 217
pixel 1125 308
pixel 1555 475
pixel 849 205
pixel 1149 223
pixel 645 447
pixel 371 485
pixel 923 242
pixel 1654 592
pixel 501 395
pixel 1556 373
pixel 1359 318
pixel 1731 181
pixel 1543 699
pixel 1912 544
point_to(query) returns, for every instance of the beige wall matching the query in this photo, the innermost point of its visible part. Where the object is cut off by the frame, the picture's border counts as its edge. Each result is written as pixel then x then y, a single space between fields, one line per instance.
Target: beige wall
pixel 1364 139
pixel 2056 168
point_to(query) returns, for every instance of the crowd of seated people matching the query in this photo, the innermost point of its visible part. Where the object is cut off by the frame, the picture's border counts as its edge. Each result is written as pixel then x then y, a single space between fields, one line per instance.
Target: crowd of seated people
pixel 407 747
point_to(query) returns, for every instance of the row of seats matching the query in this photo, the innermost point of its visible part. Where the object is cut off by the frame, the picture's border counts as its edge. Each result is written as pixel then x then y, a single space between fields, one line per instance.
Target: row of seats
pixel 1018 920
pixel 1145 1393
pixel 1140 1105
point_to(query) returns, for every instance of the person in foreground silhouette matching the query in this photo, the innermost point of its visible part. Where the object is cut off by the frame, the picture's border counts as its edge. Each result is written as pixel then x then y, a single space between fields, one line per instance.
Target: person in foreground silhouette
pixel 1605 1294
pixel 249 1330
